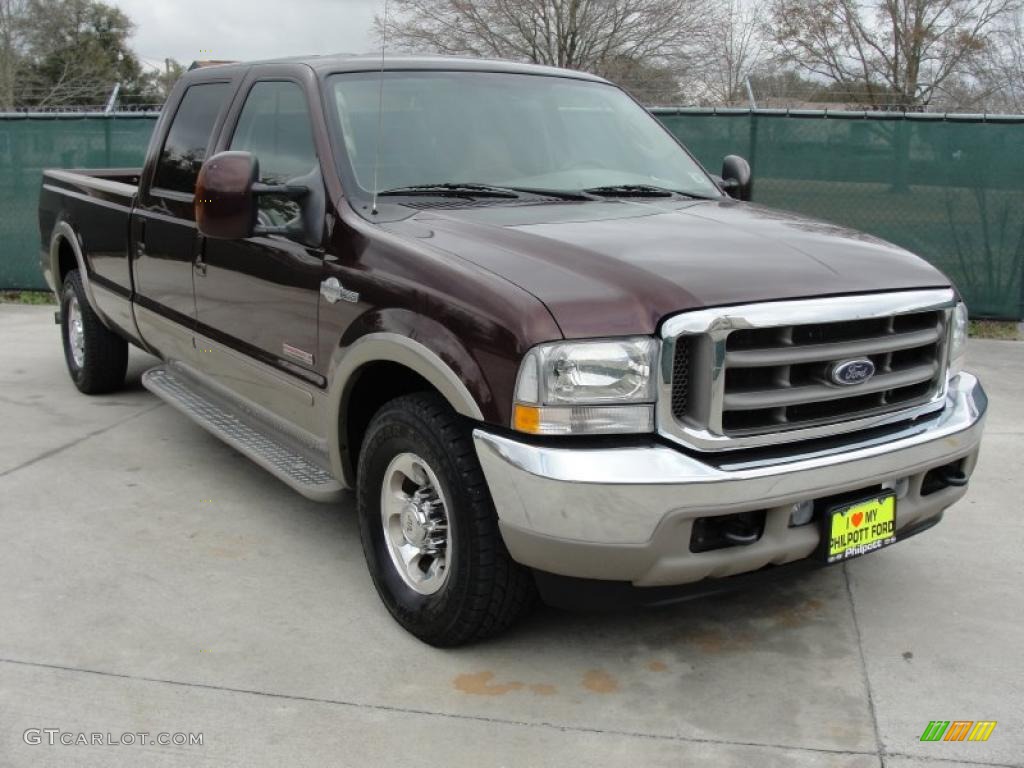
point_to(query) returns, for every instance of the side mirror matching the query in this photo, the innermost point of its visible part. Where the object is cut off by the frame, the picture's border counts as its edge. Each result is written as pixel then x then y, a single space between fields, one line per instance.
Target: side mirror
pixel 226 201
pixel 736 178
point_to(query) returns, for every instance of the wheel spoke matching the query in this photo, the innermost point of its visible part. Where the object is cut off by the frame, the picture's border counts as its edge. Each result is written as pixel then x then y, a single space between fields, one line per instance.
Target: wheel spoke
pixel 419 475
pixel 393 530
pixel 76 332
pixel 411 556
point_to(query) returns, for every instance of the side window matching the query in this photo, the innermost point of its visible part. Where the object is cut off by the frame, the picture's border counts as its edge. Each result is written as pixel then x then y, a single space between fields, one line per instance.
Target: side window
pixel 275 127
pixel 185 146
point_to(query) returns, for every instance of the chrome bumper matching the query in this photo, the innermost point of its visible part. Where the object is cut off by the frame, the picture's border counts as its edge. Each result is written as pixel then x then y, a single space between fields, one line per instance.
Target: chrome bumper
pixel 627 513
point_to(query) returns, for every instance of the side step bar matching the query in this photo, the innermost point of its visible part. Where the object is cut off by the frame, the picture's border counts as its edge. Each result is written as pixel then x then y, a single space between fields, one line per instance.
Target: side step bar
pixel 242 430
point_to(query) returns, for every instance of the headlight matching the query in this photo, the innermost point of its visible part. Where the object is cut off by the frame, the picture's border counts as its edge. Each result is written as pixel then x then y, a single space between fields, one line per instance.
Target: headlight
pixel 958 338
pixel 587 387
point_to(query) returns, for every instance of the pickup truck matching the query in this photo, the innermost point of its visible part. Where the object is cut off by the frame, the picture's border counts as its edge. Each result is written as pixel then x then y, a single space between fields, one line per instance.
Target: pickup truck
pixel 550 354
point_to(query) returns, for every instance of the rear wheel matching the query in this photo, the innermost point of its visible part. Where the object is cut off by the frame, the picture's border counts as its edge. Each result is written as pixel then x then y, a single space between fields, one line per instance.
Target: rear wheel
pixel 97 358
pixel 429 529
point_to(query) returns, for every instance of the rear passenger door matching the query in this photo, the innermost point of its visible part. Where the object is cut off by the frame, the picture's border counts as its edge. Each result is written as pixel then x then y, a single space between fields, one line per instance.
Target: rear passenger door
pixel 259 295
pixel 163 228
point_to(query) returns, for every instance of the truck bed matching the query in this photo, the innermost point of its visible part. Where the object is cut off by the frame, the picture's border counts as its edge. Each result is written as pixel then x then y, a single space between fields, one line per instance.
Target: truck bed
pixel 97 204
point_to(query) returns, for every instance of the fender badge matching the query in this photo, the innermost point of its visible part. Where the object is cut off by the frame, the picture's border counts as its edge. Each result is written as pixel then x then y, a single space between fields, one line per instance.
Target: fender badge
pixel 297 354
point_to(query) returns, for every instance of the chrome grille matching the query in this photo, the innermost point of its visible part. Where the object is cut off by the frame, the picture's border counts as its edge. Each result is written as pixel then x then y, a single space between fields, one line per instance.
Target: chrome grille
pixel 762 374
pixel 778 378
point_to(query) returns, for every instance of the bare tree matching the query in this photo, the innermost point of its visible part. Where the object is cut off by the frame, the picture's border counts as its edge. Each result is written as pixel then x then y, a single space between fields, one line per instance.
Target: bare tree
pixel 734 50
pixel 890 52
pixel 592 35
pixel 163 82
pixel 999 75
pixel 12 18
pixel 651 84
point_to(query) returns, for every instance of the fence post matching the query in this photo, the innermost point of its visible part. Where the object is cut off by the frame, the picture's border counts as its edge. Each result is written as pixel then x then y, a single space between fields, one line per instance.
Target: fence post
pixel 19 153
pixel 752 154
pixel 106 140
pixel 901 150
pixel 1020 307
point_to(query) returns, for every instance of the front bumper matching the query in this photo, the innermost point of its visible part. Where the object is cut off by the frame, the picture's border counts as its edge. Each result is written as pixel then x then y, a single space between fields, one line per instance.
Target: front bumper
pixel 627 514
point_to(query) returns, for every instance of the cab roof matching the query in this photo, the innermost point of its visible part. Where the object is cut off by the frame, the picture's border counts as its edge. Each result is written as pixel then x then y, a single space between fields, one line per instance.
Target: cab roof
pixel 349 62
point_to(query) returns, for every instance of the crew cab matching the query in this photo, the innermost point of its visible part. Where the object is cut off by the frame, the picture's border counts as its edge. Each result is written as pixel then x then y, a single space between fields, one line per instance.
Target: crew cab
pixel 549 353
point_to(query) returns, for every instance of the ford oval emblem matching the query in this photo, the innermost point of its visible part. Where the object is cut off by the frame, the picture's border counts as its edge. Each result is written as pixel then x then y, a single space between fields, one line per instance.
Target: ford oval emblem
pixel 846 373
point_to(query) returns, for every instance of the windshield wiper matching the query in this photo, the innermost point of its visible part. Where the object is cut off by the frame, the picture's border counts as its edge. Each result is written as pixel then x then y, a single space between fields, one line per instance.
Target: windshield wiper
pixel 470 189
pixel 638 190
pixel 560 194
pixel 453 190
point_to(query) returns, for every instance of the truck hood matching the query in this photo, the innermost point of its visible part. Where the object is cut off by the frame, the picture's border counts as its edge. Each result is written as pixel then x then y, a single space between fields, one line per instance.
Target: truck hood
pixel 607 268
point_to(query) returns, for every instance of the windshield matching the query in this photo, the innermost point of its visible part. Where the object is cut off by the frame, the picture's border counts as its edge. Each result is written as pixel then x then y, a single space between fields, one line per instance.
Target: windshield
pixel 504 130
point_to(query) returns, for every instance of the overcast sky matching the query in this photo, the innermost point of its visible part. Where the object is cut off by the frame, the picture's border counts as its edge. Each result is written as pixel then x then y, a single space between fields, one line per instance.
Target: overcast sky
pixel 187 30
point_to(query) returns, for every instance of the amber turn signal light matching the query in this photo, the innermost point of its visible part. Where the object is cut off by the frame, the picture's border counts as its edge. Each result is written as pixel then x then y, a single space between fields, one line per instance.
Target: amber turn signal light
pixel 526 418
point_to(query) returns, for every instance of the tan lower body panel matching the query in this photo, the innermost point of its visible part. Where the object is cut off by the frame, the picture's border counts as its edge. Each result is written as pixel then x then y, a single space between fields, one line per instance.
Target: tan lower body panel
pixel 255 384
pixel 116 310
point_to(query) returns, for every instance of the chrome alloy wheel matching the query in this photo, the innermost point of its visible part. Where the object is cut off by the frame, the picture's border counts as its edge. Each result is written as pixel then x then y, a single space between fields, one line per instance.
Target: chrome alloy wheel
pixel 414 514
pixel 76 333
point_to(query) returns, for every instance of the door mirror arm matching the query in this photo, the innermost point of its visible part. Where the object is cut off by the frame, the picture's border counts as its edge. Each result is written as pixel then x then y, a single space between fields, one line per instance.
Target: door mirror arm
pixel 289 190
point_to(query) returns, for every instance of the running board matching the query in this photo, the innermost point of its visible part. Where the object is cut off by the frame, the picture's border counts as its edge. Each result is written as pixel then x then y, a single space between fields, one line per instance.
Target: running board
pixel 240 429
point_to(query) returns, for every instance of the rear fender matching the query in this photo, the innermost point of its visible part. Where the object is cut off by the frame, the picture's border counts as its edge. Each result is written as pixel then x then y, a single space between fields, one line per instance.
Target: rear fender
pixel 64 232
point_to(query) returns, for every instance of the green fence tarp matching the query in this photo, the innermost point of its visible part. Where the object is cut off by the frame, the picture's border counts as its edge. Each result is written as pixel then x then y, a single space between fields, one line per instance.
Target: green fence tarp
pixel 30 144
pixel 951 189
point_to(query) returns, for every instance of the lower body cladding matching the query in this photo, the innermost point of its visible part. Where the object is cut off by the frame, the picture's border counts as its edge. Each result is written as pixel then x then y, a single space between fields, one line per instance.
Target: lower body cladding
pixel 654 516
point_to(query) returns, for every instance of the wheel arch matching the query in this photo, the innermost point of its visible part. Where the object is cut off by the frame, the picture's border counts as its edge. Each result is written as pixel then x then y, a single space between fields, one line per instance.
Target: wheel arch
pixel 66 253
pixel 366 376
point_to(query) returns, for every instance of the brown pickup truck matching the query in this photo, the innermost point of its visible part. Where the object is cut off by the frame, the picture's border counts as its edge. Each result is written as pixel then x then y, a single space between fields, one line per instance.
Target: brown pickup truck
pixel 550 354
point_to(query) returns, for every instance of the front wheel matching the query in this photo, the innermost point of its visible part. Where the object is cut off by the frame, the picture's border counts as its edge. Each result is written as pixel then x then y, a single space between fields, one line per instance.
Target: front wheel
pixel 97 358
pixel 429 529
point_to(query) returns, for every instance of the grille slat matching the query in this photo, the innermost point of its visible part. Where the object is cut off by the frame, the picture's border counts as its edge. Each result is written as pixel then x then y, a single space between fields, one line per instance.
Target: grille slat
pixel 786 396
pixel 771 356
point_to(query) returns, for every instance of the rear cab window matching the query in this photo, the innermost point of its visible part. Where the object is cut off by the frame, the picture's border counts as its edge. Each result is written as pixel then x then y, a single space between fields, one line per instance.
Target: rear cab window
pixel 184 149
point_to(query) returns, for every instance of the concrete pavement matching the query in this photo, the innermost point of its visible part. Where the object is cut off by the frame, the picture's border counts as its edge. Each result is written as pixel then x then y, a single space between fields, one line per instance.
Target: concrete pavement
pixel 153 580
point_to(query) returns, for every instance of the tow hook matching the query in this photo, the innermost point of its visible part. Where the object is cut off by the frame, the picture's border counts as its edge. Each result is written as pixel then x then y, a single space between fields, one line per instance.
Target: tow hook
pixel 949 476
pixel 953 475
pixel 736 530
pixel 741 536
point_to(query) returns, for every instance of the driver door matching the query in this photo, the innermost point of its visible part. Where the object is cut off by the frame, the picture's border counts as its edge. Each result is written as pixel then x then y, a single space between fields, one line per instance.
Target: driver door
pixel 258 296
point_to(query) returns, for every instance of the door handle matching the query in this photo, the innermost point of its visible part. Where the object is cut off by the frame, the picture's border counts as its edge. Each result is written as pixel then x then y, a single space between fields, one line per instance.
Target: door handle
pixel 200 262
pixel 140 241
pixel 333 291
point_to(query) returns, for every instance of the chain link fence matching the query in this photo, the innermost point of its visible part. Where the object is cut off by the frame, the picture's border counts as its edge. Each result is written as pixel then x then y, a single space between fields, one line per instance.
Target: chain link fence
pixel 950 188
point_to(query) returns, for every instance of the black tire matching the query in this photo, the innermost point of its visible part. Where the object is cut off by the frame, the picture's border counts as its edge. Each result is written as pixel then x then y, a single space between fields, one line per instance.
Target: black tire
pixel 485 591
pixel 105 354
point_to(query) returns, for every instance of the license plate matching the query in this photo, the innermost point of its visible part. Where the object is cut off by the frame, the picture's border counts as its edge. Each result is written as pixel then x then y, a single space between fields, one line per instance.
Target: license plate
pixel 861 527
